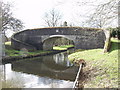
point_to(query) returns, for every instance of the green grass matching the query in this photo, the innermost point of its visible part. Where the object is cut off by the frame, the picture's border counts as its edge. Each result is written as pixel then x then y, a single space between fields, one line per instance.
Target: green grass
pixel 101 69
pixel 63 47
pixel 8 43
pixel 103 65
pixel 12 52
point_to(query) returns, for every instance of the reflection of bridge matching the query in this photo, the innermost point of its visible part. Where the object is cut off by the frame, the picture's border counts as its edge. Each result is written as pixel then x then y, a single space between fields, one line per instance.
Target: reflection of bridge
pixel 83 38
pixel 46 67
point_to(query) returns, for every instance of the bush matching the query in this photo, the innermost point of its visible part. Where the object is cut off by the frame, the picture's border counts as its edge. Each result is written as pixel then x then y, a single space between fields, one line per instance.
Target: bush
pixel 115 32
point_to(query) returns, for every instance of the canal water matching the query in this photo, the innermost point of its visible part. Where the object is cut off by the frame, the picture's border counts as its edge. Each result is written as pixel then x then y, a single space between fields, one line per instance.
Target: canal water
pixel 52 71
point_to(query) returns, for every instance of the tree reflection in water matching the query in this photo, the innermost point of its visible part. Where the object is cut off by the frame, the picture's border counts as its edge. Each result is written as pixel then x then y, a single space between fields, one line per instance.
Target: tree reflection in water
pixel 54 71
pixel 11 79
pixel 62 59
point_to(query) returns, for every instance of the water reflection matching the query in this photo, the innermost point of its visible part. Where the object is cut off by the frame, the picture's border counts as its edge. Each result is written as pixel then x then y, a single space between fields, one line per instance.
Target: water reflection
pixel 54 71
pixel 11 79
pixel 62 59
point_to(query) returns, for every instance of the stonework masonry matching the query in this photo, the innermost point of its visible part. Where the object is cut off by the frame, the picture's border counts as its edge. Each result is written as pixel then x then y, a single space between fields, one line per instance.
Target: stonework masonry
pixel 43 38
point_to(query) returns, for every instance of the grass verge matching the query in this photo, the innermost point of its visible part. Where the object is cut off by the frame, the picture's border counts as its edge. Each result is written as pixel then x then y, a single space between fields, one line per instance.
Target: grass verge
pixel 63 47
pixel 102 68
pixel 12 52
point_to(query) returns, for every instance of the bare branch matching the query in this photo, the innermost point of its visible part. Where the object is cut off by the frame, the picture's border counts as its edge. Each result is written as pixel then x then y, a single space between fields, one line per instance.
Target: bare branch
pixel 104 15
pixel 52 18
pixel 8 21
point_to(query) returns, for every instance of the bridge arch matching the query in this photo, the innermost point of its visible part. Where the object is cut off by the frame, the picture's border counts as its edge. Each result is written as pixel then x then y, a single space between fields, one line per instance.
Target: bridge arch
pixel 83 38
pixel 55 40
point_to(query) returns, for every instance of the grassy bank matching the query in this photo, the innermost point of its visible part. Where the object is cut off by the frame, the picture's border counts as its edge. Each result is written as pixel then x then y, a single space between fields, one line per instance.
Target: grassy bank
pixel 63 47
pixel 23 52
pixel 11 52
pixel 102 68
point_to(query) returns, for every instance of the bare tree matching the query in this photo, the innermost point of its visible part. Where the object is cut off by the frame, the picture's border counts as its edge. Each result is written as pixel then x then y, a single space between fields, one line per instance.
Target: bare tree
pixel 52 18
pixel 8 21
pixel 103 13
pixel 119 14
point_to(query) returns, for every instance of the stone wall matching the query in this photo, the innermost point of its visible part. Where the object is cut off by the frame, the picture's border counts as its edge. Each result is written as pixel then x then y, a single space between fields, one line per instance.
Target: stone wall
pixel 83 38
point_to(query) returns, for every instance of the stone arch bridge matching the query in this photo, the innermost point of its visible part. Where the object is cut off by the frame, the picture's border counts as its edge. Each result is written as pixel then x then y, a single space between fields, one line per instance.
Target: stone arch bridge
pixel 43 38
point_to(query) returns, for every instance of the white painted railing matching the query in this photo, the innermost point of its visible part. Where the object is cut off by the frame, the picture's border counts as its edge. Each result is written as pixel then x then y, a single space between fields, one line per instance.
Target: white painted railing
pixel 77 77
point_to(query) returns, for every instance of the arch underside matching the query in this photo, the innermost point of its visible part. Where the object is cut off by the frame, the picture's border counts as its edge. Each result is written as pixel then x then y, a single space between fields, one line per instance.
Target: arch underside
pixel 56 40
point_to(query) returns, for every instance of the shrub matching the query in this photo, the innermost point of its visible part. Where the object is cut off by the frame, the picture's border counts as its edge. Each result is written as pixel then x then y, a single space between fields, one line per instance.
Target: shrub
pixel 115 32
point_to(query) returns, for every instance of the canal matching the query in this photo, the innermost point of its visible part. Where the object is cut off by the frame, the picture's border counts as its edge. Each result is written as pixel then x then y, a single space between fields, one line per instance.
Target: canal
pixel 52 71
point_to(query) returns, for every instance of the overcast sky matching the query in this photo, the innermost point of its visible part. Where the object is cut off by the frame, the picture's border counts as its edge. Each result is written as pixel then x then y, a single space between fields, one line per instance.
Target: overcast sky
pixel 31 12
